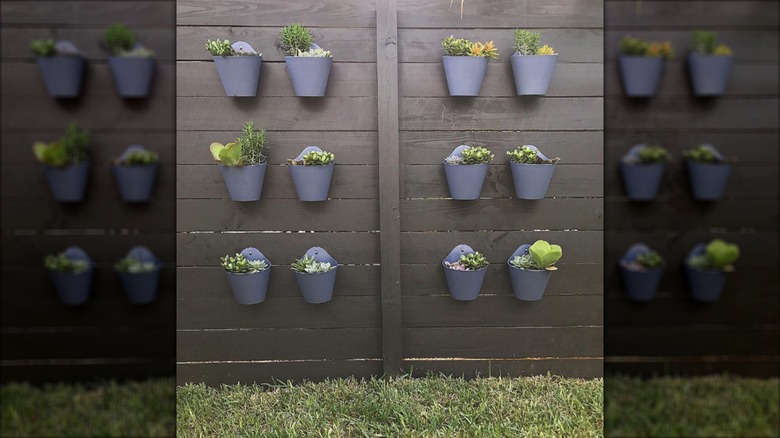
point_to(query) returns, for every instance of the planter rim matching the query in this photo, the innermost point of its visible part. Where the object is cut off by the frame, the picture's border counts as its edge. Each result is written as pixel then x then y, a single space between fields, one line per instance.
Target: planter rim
pixel 710 271
pixel 246 273
pixel 246 165
pixel 156 269
pixel 316 273
pixel 132 57
pixel 470 270
pixel 532 164
pixel 68 274
pixel 516 53
pixel 480 164
pixel 642 57
pixel 527 270
pixel 83 163
pixel 68 55
pixel 701 163
pixel 642 271
pixel 706 55
pixel 313 166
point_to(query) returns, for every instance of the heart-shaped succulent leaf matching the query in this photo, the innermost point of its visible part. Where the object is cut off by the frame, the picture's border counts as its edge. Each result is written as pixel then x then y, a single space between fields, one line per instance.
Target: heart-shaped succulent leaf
pixel 229 154
pixel 722 254
pixel 544 254
pixel 52 154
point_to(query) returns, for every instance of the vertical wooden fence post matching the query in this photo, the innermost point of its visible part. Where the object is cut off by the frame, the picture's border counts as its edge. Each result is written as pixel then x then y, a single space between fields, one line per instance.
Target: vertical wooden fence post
pixel 389 182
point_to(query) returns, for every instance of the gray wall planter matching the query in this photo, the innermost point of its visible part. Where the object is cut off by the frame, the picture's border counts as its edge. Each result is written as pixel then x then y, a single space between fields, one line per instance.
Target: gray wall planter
pixel 318 288
pixel 132 75
pixel 641 181
pixel 62 75
pixel 244 183
pixel 141 288
pixel 309 75
pixel 640 286
pixel 465 180
pixel 708 180
pixel 532 180
pixel 135 183
pixel 463 285
pixel 250 288
pixel 704 285
pixel 532 73
pixel 464 74
pixel 312 183
pixel 709 73
pixel 73 289
pixel 527 284
pixel 68 184
pixel 240 73
pixel 641 74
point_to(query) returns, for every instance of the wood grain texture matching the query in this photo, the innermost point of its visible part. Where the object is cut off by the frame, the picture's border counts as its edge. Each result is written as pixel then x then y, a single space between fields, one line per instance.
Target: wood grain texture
pixel 279 344
pixel 88 13
pixel 686 14
pixel 317 13
pixel 501 114
pixel 216 374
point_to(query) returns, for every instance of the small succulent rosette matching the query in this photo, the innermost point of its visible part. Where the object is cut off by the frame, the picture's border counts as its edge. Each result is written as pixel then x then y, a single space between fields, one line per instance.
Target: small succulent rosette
pixel 315 273
pixel 532 180
pixel 529 279
pixel 139 274
pixel 464 283
pixel 465 181
pixel 312 182
pixel 640 282
pixel 251 287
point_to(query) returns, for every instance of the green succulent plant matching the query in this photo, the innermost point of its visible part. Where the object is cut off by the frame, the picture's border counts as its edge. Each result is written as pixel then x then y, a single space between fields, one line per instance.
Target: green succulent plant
pixel 132 265
pixel 652 154
pixel 462 47
pixel 527 155
pixel 43 47
pixel 73 148
pixel 527 42
pixel 295 38
pixel 640 47
pixel 718 255
pixel 705 42
pixel 119 39
pixel 701 154
pixel 239 264
pixel 220 47
pixel 308 265
pixel 650 260
pixel 61 263
pixel 476 155
pixel 247 150
pixel 140 158
pixel 315 158
pixel 541 255
pixel 473 261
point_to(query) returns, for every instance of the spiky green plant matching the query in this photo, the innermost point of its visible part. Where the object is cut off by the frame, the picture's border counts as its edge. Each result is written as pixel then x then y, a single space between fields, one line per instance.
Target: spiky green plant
pixel 239 264
pixel 295 38
pixel 73 148
pixel 119 39
pixel 526 42
pixel 61 263
pixel 308 265
pixel 252 144
pixel 43 47
pixel 703 41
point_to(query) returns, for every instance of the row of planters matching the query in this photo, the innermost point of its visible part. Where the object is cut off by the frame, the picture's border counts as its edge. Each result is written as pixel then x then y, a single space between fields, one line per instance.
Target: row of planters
pixel 642 169
pixel 642 64
pixel 62 66
pixel 243 164
pixel 530 267
pixel 308 65
pixel 706 268
pixel 72 270
pixel 67 166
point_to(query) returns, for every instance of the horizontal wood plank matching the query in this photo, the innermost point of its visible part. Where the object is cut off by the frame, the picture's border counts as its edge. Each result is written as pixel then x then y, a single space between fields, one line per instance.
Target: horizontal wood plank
pixel 278 344
pixel 348 13
pixel 92 344
pixel 216 374
pixel 748 45
pixel 108 212
pixel 583 368
pixel 277 215
pixel 88 13
pixel 118 370
pixel 104 248
pixel 687 340
pixel 688 214
pixel 677 310
pixel 686 14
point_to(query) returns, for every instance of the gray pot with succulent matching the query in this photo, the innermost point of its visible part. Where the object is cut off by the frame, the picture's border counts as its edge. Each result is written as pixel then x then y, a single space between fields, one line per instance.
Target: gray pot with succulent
pixel 311 172
pixel 71 272
pixel 641 269
pixel 532 65
pixel 66 164
pixel 465 64
pixel 315 274
pixel 642 64
pixel 307 63
pixel 464 270
pixel 61 66
pixel 642 169
pixel 709 64
pixel 139 274
pixel 531 171
pixel 238 66
pixel 530 267
pixel 707 266
pixel 708 172
pixel 466 168
pixel 243 163
pixel 135 172
pixel 248 273
pixel 132 64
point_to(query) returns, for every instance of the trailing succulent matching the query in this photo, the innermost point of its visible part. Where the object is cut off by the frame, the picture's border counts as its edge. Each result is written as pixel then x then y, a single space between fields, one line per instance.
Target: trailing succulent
pixel 527 43
pixel 718 255
pixel 307 265
pixel 471 155
pixel 43 47
pixel 527 155
pixel 639 47
pixel 132 265
pixel 646 261
pixel 462 47
pixel 61 263
pixel 704 42
pixel 701 154
pixel 468 262
pixel 541 256
pixel 139 158
pixel 314 158
pixel 247 150
pixel 239 264
pixel 120 40
pixel 71 149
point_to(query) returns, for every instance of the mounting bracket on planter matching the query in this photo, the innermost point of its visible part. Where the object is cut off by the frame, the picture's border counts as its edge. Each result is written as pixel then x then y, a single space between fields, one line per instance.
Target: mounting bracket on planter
pixel 253 254
pixel 456 252
pixel 320 255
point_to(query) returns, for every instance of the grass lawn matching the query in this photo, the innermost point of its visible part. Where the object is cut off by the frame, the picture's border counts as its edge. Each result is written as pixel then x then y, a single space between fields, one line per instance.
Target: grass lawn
pixel 703 406
pixel 432 406
pixel 105 409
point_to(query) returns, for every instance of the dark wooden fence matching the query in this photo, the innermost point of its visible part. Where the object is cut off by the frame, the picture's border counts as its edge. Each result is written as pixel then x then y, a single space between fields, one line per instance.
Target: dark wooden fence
pixel 43 340
pixel 674 334
pixel 389 120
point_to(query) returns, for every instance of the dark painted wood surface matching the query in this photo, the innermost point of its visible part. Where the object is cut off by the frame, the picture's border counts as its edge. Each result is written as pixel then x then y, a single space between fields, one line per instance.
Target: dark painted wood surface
pixel 108 338
pixel 674 334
